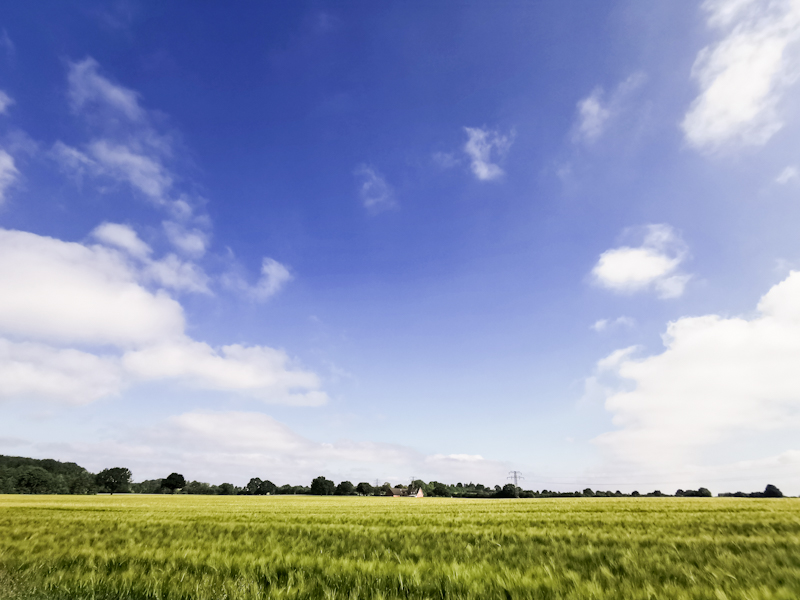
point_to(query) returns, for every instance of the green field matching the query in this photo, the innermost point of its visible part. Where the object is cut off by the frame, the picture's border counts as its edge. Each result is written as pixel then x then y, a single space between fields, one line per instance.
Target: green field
pixel 236 547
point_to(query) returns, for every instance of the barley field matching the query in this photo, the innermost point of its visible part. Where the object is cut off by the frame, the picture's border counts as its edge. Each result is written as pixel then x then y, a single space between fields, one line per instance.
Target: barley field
pixel 247 547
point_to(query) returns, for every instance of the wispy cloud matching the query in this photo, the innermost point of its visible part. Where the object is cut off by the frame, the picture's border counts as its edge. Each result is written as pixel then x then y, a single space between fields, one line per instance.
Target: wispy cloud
pixel 598 110
pixel 602 325
pixel 652 265
pixel 8 173
pixel 790 173
pixel 743 76
pixel 274 276
pixel 5 102
pixel 481 148
pixel 87 87
pixel 376 194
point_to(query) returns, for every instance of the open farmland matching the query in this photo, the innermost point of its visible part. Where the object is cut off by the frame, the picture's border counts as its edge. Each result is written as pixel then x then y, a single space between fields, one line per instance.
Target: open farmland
pixel 170 547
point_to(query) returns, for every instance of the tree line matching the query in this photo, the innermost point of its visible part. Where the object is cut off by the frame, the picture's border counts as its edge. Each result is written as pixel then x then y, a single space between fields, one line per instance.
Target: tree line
pixel 20 475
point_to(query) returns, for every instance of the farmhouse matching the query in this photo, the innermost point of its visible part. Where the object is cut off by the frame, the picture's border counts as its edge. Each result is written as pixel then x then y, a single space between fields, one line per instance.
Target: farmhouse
pixel 407 492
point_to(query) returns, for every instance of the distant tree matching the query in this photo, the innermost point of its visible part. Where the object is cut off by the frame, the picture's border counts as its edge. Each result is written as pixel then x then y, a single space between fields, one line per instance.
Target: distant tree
pixel 253 486
pixel 509 490
pixel 384 490
pixel 34 480
pixel 114 481
pixel 82 483
pixel 345 488
pixel 227 489
pixel 439 489
pixel 148 486
pixel 704 492
pixel 174 481
pixel 588 492
pixel 322 487
pixel 198 487
pixel 772 492
pixel 364 489
pixel 635 494
pixel 267 488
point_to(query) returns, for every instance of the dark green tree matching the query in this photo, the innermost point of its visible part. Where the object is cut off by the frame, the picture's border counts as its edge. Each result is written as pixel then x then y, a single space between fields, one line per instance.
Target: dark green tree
pixel 364 489
pixel 34 480
pixel 227 489
pixel 345 488
pixel 267 488
pixel 439 489
pixel 175 481
pixel 253 486
pixel 83 483
pixel 772 492
pixel 114 481
pixel 322 487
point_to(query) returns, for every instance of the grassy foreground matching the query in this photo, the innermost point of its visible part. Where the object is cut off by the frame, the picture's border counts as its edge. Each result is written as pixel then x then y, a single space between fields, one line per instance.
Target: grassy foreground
pixel 247 547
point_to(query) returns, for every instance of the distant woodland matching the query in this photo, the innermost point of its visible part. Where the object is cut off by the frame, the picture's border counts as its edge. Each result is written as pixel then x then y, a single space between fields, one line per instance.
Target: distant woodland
pixel 20 475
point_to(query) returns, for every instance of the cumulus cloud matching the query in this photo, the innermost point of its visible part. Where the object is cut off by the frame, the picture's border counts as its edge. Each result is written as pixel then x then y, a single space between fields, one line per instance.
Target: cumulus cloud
pixel 744 75
pixel 59 296
pixel 236 445
pixel 5 102
pixel 40 372
pixel 65 291
pixel 596 111
pixel 718 378
pixel 376 194
pixel 652 265
pixel 257 371
pixel 191 241
pixel 8 173
pixel 481 145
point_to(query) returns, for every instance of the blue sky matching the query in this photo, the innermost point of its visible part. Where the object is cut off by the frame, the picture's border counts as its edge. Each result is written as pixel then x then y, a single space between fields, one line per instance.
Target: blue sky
pixel 383 241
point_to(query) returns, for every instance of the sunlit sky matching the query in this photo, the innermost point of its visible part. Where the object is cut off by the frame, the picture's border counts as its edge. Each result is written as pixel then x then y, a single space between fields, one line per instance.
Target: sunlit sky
pixel 374 241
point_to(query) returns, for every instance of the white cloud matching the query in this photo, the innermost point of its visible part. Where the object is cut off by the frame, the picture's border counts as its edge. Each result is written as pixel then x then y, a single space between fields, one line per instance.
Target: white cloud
pixel 41 372
pixel 257 371
pixel 790 173
pixel 592 116
pixel 174 273
pixel 717 379
pixel 248 444
pixel 5 102
pixel 70 294
pixel 273 277
pixel 376 194
pixel 446 160
pixel 743 76
pixel 124 237
pixel 192 242
pixel 145 173
pixel 170 271
pixel 602 325
pixel 8 173
pixel 481 145
pixel 595 112
pixel 653 265
pixel 63 291
pixel 87 86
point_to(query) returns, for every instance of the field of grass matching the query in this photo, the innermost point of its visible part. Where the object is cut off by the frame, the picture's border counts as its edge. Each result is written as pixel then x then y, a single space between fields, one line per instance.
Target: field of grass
pixel 247 547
